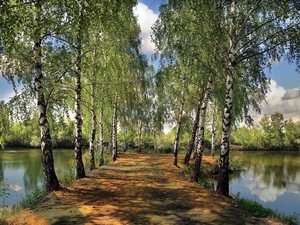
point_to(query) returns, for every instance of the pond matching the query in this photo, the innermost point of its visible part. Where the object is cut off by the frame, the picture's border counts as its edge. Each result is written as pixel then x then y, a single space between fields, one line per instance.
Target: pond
pixel 270 178
pixel 21 169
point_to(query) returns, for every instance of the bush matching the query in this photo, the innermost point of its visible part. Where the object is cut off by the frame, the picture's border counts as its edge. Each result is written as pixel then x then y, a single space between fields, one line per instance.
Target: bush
pixel 33 198
pixel 165 150
pixel 67 179
pixel 3 194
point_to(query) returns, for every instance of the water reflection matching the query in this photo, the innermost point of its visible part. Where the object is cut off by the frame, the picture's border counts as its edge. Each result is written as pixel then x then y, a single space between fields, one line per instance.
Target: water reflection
pixel 269 178
pixel 261 187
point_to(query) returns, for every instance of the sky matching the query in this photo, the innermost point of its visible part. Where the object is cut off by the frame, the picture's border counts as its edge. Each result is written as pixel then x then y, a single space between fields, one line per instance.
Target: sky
pixel 284 95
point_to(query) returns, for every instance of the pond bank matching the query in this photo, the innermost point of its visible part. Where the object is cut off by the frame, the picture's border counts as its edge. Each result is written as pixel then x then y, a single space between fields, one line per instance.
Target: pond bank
pixel 136 189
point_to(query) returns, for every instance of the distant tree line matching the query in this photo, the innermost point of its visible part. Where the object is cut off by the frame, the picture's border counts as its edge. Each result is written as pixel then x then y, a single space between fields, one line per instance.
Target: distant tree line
pixel 272 133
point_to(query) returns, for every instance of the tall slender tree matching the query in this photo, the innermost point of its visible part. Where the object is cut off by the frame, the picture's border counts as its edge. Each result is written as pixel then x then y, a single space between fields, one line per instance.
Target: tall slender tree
pixel 115 129
pixel 257 33
pixel 29 20
pixel 200 139
pixel 46 143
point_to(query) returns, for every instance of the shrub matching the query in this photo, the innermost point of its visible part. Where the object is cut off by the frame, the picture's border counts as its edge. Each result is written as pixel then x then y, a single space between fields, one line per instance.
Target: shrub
pixel 33 198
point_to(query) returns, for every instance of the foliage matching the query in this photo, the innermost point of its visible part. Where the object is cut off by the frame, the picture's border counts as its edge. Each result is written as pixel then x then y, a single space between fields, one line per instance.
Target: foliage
pixel 258 210
pixel 205 175
pixel 4 188
pixel 274 132
pixel 21 134
pixel 106 156
pixel 33 198
pixel 67 179
pixel 4 123
pixel 186 170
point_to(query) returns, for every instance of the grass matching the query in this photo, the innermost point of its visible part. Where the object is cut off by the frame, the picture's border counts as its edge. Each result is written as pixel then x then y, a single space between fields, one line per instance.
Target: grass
pixel 67 179
pixel 33 198
pixel 4 188
pixel 257 209
pixel 86 158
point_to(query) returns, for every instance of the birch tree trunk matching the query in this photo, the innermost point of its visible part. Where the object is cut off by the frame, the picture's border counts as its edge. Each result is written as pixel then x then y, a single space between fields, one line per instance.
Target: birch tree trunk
pixel 115 130
pixel 92 143
pixel 223 179
pixel 101 137
pixel 50 177
pixel 200 141
pixel 94 120
pixel 213 132
pixel 140 129
pixel 178 126
pixel 93 133
pixel 193 137
pixel 80 173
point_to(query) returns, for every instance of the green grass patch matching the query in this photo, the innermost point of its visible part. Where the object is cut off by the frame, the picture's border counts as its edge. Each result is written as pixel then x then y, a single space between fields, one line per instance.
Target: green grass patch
pixel 33 197
pixel 37 195
pixel 67 179
pixel 86 158
pixel 187 170
pixel 258 210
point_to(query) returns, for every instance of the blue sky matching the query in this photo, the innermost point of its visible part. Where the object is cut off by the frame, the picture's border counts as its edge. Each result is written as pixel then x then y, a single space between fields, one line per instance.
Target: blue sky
pixel 284 96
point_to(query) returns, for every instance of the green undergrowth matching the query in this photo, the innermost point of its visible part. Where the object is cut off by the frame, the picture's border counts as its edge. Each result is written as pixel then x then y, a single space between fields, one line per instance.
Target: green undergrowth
pixel 86 158
pixel 4 188
pixel 33 198
pixel 258 210
pixel 67 179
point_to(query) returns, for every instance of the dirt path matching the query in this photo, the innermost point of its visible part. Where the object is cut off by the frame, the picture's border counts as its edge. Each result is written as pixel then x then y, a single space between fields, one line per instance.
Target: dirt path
pixel 136 189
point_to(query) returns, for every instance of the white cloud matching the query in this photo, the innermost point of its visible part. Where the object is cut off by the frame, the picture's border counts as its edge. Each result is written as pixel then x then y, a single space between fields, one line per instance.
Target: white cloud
pixel 282 101
pixel 146 18
pixel 291 94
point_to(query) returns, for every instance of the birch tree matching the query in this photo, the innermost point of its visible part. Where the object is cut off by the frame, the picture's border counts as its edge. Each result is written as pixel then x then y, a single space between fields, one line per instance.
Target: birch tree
pixel 257 33
pixel 31 24
pixel 246 37
pixel 184 30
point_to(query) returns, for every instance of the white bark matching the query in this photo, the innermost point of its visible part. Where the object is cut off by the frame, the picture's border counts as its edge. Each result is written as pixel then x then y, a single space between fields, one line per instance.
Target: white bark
pixel 115 130
pixel 46 142
pixel 223 181
pixel 200 134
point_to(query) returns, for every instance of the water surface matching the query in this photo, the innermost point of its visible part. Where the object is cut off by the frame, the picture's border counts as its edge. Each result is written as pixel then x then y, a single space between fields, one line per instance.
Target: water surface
pixel 270 178
pixel 22 170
